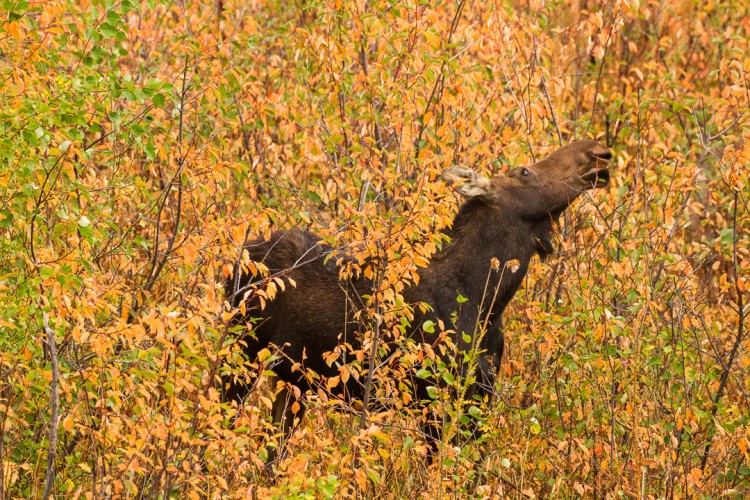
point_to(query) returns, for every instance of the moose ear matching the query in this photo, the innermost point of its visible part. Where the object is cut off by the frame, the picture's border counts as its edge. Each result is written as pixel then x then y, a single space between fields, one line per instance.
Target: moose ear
pixel 472 184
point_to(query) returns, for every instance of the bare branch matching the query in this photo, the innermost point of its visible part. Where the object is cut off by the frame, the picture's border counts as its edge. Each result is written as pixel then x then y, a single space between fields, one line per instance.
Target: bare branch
pixel 54 404
pixel 158 265
pixel 738 338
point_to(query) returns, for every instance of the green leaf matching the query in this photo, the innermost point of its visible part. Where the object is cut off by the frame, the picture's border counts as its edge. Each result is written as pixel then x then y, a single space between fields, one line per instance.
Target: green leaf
pixel 535 428
pixel 432 392
pixel 727 236
pixel 373 476
pixel 150 150
pixel 158 100
pixel 108 30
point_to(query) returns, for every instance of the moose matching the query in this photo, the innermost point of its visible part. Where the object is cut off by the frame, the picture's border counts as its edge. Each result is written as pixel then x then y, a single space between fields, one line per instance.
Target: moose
pixel 505 218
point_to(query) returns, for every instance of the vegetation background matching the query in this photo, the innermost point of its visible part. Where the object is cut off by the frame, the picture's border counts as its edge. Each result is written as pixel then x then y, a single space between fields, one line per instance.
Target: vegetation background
pixel 141 143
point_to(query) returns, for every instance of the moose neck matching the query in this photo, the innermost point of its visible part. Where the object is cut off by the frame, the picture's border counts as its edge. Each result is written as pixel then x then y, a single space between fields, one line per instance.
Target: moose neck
pixel 482 232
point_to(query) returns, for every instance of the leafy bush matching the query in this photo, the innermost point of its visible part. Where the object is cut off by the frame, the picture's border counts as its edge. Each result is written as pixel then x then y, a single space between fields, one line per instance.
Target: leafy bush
pixel 141 143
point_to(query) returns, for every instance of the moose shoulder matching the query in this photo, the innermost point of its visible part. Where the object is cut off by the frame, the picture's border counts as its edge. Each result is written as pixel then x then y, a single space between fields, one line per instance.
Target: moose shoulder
pixel 504 218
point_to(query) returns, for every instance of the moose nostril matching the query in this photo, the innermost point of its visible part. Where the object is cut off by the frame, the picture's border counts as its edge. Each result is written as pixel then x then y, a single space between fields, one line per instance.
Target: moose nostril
pixel 604 155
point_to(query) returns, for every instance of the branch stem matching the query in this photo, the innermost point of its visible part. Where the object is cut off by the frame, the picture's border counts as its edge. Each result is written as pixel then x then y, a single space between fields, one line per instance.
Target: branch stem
pixel 738 339
pixel 54 404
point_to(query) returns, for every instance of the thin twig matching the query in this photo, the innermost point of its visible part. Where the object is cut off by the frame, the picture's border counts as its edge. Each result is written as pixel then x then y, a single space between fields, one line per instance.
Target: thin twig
pixel 738 338
pixel 601 70
pixel 378 133
pixel 245 136
pixel 54 403
pixel 545 91
pixel 158 266
pixel 437 89
pixel 156 271
pixel 383 265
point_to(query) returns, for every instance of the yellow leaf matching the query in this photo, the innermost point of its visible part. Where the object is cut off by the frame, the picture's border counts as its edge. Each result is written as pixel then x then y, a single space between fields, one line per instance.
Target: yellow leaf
pixel 67 423
pixel 432 38
pixel 332 382
pixel 12 29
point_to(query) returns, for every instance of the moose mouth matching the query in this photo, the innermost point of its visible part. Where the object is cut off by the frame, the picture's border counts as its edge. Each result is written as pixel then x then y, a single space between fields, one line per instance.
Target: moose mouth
pixel 597 177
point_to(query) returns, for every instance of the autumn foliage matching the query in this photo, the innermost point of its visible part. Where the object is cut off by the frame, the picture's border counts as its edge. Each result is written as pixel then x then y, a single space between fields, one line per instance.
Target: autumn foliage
pixel 142 143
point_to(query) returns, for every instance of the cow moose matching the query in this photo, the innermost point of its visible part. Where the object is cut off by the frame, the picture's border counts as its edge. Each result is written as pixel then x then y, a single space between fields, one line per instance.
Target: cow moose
pixel 504 218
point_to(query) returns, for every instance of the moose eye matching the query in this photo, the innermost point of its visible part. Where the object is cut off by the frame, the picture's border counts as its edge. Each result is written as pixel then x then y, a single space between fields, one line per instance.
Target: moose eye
pixel 525 172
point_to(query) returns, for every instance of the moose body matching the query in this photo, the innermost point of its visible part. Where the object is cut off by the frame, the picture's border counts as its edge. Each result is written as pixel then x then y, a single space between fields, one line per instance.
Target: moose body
pixel 505 218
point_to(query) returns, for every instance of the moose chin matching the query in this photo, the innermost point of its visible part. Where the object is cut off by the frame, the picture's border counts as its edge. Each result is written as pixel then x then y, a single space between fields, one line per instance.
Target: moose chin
pixel 503 219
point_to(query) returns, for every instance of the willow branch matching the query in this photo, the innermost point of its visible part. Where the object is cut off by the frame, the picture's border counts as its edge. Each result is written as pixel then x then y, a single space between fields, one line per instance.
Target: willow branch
pixel 738 338
pixel 54 404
